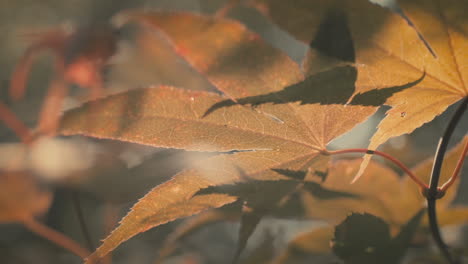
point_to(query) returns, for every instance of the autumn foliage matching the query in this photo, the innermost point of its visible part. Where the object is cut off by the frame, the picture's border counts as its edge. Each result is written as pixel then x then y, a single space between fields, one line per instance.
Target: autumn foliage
pixel 268 122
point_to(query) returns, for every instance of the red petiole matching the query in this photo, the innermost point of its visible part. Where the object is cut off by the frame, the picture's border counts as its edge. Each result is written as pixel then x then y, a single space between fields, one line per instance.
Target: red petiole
pixel 457 170
pixel 395 161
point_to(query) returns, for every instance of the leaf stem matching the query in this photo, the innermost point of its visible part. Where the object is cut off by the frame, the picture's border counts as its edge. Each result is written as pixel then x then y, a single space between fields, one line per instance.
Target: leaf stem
pixel 434 192
pixel 456 171
pixel 49 115
pixel 55 237
pixel 79 212
pixel 395 161
pixel 222 12
pixel 11 121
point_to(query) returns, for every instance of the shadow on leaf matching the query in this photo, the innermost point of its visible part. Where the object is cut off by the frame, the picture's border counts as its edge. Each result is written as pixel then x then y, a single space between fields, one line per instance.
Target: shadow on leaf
pixel 333 37
pixel 271 191
pixel 262 197
pixel 335 86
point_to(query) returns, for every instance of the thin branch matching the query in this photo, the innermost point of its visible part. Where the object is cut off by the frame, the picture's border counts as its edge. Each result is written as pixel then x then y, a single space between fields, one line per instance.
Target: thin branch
pixel 55 237
pixel 11 121
pixel 456 171
pixel 49 116
pixel 433 225
pixel 20 73
pixel 222 12
pixel 50 113
pixel 41 41
pixel 79 212
pixel 434 192
pixel 395 161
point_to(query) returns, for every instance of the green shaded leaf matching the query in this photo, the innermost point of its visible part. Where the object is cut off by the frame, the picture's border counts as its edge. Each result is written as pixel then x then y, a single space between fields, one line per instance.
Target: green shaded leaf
pixel 365 239
pixel 360 237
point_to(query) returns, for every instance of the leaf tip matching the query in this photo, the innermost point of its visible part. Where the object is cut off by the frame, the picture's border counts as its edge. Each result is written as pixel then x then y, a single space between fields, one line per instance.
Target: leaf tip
pixel 362 168
pixel 92 259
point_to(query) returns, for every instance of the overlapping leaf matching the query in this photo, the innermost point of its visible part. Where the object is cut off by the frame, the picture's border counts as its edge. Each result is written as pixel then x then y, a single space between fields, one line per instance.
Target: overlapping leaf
pixel 365 239
pixel 383 194
pixel 274 197
pixel 448 214
pixel 240 65
pixel 150 60
pixel 283 136
pixel 389 52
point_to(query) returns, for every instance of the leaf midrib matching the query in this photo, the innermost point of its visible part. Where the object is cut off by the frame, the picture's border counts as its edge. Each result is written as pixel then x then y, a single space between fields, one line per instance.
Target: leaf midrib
pixel 449 41
pixel 451 88
pixel 227 126
pixel 192 65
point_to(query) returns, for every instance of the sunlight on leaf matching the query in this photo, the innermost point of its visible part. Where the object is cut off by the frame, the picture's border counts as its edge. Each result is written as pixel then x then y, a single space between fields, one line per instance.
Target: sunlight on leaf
pixel 271 136
pixel 178 197
pixel 276 121
pixel 238 63
pixel 170 117
pixel 390 53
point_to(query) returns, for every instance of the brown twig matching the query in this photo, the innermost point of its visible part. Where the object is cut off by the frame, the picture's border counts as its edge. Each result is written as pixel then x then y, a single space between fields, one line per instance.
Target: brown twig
pixel 81 219
pixel 50 112
pixel 49 40
pixel 11 121
pixel 55 237
pixel 434 192
pixel 222 12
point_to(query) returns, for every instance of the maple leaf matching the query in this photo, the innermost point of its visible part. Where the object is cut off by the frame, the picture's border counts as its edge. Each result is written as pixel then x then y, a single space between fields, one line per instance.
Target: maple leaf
pixel 382 193
pixel 364 238
pixel 389 52
pixel 149 59
pixel 275 195
pixel 237 62
pixel 360 238
pixel 21 198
